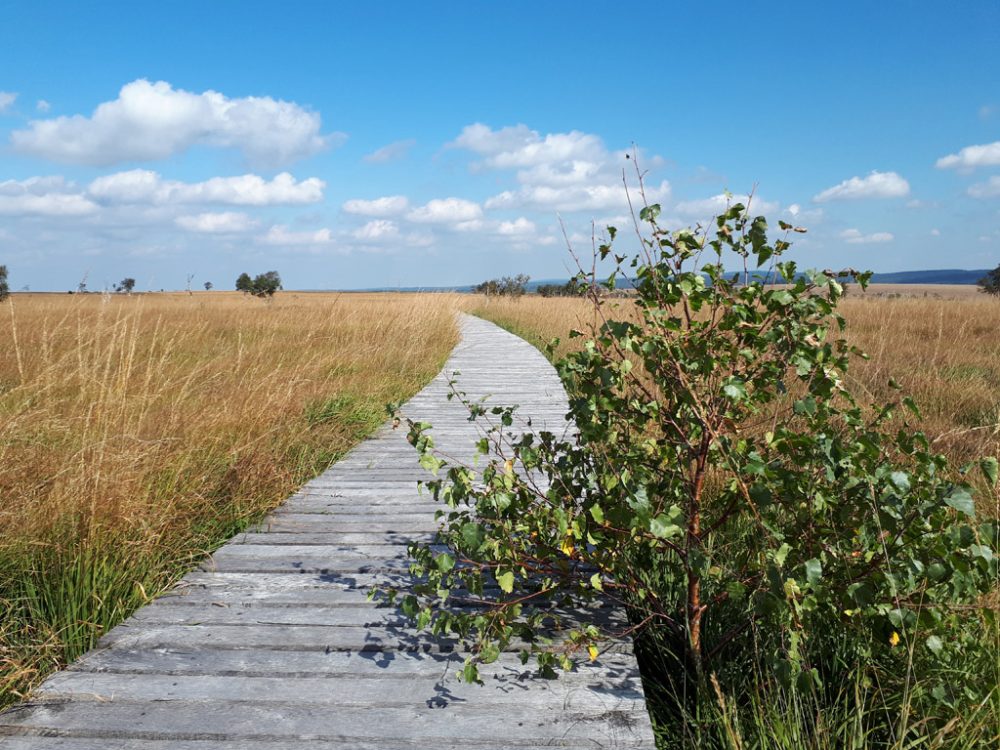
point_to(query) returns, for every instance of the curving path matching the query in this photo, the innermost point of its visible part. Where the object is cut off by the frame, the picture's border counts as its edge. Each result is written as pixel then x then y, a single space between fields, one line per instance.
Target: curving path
pixel 272 644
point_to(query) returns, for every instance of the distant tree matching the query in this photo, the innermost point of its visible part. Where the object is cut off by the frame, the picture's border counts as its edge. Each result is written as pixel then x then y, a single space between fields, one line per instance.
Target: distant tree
pixel 4 288
pixel 266 284
pixel 125 285
pixel 572 288
pixel 508 286
pixel 489 288
pixel 244 283
pixel 990 283
pixel 208 286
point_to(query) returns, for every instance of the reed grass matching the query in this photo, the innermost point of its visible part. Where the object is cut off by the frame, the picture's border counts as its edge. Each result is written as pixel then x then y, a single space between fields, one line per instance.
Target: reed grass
pixel 139 432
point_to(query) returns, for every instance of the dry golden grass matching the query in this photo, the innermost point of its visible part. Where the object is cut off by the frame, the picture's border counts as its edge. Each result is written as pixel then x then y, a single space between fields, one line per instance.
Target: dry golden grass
pixel 138 432
pixel 944 350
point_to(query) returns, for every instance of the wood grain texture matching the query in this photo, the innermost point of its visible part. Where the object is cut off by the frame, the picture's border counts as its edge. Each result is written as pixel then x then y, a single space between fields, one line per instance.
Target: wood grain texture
pixel 273 644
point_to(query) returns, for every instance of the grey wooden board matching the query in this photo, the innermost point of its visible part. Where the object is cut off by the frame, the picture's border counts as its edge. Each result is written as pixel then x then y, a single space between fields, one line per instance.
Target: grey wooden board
pixel 273 642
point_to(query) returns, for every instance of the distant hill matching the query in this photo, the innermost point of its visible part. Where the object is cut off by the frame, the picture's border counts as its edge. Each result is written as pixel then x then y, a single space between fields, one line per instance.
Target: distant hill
pixel 942 276
pixel 939 276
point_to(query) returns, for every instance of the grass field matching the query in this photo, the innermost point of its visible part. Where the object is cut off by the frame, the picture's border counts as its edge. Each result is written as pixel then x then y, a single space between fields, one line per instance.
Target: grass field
pixel 139 432
pixel 939 342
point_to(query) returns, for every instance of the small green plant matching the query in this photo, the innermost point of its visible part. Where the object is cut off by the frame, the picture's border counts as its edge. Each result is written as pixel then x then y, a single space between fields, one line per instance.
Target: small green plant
pixel 726 488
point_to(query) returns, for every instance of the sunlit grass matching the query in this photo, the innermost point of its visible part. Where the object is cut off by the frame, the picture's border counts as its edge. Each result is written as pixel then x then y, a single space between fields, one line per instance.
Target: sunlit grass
pixel 137 433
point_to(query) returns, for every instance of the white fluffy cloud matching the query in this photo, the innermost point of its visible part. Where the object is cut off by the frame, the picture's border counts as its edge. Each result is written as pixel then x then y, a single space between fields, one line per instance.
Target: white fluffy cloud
pixel 390 205
pixel 455 211
pixel 226 222
pixel 988 189
pixel 717 204
pixel 281 235
pixel 875 185
pixel 519 227
pixel 598 197
pixel 145 186
pixel 151 121
pixel 970 157
pixel 42 106
pixel 390 152
pixel 376 230
pixel 7 98
pixel 855 237
pixel 565 172
pixel 519 146
pixel 43 196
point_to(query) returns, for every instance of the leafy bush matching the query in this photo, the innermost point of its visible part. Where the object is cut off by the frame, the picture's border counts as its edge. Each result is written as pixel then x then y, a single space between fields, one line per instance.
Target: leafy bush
pixel 262 285
pixel 757 521
pixel 4 288
pixel 990 283
pixel 508 286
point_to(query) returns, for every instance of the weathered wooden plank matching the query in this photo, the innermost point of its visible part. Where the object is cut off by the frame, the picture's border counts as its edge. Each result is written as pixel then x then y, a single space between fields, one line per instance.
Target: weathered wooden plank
pixel 501 690
pixel 223 720
pixel 612 665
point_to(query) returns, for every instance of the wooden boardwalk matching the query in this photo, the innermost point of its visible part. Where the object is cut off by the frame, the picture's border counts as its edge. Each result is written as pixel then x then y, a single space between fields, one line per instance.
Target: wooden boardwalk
pixel 272 643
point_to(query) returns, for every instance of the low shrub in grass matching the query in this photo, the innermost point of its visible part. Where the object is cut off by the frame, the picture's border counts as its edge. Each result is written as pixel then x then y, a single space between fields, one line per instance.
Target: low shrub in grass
pixel 797 572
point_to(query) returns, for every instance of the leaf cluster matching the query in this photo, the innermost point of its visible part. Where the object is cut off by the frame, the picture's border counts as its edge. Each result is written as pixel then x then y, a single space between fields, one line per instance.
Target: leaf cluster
pixel 723 482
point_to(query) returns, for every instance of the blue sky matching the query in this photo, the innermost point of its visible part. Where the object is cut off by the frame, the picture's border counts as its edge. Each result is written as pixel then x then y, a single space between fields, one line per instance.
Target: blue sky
pixel 362 145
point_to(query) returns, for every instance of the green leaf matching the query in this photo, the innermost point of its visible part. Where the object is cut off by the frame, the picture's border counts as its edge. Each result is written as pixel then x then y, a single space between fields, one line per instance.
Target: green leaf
pixel 934 644
pixel 989 468
pixel 735 389
pixel 506 581
pixel 781 554
pixel 444 562
pixel 814 570
pixel 960 499
pixel 662 527
pixel 595 581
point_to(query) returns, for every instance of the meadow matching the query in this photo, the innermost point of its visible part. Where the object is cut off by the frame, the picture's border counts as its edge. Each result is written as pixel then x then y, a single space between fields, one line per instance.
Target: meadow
pixel 938 342
pixel 139 432
pixel 940 346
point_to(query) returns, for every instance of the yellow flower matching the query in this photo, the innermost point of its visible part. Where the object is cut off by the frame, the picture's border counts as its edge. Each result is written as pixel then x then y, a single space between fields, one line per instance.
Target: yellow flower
pixel 894 639
pixel 568 546
pixel 592 650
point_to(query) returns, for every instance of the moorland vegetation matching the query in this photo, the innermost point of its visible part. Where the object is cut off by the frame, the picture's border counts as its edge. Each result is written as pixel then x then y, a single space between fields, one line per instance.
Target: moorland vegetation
pixel 802 565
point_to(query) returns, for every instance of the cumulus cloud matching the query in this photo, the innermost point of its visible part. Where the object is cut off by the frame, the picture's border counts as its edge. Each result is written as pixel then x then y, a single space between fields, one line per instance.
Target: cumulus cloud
pixel 389 205
pixel 391 152
pixel 376 230
pixel 42 106
pixel 988 189
pixel 279 234
pixel 970 157
pixel 566 172
pixel 7 98
pixel 519 227
pixel 43 196
pixel 226 222
pixel 453 211
pixel 151 121
pixel 717 204
pixel 855 237
pixel 146 186
pixel 519 146
pixel 597 197
pixel 875 185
